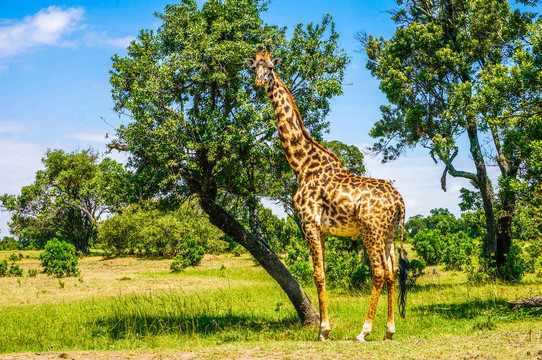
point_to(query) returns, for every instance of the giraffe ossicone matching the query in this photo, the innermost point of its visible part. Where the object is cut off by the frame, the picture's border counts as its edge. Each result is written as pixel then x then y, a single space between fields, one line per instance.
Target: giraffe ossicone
pixel 332 201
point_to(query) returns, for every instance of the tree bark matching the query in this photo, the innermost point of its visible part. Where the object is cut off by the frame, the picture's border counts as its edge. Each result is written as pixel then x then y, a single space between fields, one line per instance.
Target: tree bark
pixel 264 255
pixel 486 191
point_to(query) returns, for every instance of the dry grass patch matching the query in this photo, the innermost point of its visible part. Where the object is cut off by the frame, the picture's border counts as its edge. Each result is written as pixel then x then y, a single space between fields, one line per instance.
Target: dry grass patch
pixel 101 278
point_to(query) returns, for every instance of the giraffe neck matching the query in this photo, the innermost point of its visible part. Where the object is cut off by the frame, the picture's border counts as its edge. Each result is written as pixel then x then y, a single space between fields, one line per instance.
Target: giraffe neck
pixel 307 158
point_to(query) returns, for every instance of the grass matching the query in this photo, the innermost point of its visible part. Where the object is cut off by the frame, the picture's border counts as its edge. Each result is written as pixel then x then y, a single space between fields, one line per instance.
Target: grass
pixel 135 306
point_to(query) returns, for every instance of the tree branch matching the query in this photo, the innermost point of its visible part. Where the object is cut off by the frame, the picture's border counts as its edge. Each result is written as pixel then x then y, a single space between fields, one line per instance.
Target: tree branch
pixel 450 169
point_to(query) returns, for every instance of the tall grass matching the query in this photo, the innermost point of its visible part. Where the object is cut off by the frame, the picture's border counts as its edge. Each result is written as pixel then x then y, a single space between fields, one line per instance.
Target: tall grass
pixel 245 306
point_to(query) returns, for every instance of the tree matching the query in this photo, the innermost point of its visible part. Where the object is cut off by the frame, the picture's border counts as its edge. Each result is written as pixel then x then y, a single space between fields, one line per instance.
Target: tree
pixel 66 199
pixel 464 69
pixel 143 229
pixel 198 125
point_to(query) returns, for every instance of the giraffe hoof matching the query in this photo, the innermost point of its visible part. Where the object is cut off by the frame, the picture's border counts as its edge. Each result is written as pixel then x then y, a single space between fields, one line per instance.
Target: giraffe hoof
pixel 324 334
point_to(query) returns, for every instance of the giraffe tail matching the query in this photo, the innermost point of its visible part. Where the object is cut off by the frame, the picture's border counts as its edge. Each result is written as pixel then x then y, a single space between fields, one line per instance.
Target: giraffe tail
pixel 403 269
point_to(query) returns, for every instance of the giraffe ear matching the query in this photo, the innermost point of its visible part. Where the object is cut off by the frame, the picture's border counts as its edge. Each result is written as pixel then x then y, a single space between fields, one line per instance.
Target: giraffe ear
pixel 250 63
pixel 277 62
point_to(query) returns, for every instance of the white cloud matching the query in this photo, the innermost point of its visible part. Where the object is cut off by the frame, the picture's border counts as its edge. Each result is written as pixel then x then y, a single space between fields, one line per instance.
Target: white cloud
pixel 95 39
pixel 86 136
pixel 7 127
pixel 47 27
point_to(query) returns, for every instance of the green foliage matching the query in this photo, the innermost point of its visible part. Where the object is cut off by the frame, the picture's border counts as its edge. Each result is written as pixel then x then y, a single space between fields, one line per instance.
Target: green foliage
pixel 515 266
pixel 3 267
pixel 190 254
pixel 15 257
pixel 349 155
pixel 33 272
pixel 456 70
pixel 66 199
pixel 10 243
pixel 15 270
pixel 415 270
pixel 344 269
pixel 442 239
pixel 299 262
pixel 59 259
pixel 238 250
pixel 152 232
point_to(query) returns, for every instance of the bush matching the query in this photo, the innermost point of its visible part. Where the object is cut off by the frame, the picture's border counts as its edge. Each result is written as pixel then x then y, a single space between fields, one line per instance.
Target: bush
pixel 3 268
pixel 15 257
pixel 33 272
pixel 9 243
pixel 190 254
pixel 238 250
pixel 415 270
pixel 59 259
pixel 344 269
pixel 148 231
pixel 15 270
pixel 515 266
pixel 454 250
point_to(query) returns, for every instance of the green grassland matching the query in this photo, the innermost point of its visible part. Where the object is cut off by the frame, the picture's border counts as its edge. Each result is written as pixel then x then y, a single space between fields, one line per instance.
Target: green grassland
pixel 229 308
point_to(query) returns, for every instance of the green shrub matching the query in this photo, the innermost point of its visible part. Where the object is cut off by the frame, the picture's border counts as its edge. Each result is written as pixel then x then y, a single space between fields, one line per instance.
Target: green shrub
pixel 415 270
pixel 15 257
pixel 15 270
pixel 147 230
pixel 515 266
pixel 3 268
pixel 344 269
pixel 238 250
pixel 59 259
pixel 454 250
pixel 429 245
pixel 190 254
pixel 33 272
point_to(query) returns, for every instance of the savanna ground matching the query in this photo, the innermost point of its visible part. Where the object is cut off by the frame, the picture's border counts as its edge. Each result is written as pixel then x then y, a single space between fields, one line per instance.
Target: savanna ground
pixel 228 308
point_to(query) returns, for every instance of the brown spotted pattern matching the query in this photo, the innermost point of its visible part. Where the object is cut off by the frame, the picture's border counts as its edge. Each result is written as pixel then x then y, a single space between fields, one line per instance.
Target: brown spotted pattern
pixel 332 201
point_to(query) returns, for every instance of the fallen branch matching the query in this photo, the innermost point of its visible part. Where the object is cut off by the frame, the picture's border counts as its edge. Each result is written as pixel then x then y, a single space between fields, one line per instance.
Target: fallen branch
pixel 526 303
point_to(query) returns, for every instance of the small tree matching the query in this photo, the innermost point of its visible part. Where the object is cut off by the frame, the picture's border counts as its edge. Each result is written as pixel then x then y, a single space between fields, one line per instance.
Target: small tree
pixel 59 259
pixel 66 199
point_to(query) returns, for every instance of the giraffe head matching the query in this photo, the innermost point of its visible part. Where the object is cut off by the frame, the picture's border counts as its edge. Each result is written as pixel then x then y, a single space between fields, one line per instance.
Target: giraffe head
pixel 263 65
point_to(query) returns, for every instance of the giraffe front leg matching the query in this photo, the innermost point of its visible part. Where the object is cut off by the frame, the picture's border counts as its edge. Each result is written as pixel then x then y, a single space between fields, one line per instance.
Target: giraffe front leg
pixel 317 254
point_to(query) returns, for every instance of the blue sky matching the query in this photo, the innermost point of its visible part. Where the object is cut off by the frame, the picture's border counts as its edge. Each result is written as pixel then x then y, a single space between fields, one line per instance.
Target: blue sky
pixel 55 92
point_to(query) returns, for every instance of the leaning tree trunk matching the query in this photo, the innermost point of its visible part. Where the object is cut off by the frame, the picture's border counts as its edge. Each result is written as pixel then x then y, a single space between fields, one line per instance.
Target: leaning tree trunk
pixel 265 257
pixel 486 191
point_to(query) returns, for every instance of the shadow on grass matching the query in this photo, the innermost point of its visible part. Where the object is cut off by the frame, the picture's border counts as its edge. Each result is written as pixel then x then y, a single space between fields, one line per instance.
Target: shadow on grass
pixel 462 310
pixel 236 327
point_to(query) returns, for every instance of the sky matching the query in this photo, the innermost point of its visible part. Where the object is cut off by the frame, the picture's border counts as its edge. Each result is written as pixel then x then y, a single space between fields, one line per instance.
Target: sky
pixel 55 59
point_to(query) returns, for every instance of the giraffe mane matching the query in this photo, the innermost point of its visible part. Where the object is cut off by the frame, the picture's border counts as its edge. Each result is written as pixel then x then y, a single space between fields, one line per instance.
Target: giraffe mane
pixel 305 132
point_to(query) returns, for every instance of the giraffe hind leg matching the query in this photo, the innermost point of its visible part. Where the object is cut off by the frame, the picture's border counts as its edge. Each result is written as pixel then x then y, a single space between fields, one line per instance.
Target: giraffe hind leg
pixel 379 272
pixel 390 280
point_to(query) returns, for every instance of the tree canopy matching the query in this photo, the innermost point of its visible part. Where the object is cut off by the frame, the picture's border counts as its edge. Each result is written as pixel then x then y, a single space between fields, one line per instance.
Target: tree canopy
pixel 469 70
pixel 198 125
pixel 66 199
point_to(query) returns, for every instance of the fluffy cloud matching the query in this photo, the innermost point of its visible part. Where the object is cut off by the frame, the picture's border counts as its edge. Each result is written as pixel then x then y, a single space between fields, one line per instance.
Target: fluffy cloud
pixel 52 27
pixel 95 39
pixel 47 27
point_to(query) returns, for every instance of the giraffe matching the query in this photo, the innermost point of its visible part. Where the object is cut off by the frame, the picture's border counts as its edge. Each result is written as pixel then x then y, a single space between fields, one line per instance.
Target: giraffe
pixel 332 201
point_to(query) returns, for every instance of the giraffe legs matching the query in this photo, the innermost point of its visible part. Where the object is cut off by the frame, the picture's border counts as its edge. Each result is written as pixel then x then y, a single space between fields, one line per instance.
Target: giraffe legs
pixel 383 265
pixel 378 283
pixel 316 245
pixel 390 279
